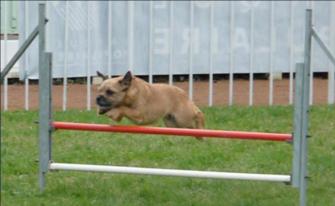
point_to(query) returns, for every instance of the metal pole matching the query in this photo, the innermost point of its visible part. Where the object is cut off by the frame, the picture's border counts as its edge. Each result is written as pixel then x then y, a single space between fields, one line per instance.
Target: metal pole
pixel 305 108
pixel 303 142
pixel 45 101
pixel 296 170
pixel 323 46
pixel 19 53
pixel 299 172
pixel 311 6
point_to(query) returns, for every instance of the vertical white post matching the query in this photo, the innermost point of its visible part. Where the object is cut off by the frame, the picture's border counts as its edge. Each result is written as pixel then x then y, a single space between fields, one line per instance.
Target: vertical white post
pixel 5 94
pixel 211 19
pixel 88 60
pixel 311 6
pixel 65 66
pixel 26 80
pixel 231 52
pixel 331 73
pixel 190 77
pixel 150 39
pixel 171 43
pixel 271 53
pixel 292 51
pixel 130 34
pixel 109 55
pixel 251 55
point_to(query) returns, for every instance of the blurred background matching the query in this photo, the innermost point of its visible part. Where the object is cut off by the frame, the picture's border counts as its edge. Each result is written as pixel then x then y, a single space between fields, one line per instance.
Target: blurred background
pixel 176 41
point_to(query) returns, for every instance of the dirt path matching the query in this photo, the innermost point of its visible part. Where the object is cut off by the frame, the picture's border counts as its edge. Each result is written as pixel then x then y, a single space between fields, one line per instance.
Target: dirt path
pixel 77 93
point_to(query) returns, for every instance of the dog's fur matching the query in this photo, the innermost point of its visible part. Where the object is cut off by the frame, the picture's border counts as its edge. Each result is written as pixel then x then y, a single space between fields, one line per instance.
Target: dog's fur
pixel 144 103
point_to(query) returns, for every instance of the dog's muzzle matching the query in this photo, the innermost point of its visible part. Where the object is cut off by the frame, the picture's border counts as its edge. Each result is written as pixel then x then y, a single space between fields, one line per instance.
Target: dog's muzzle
pixel 103 103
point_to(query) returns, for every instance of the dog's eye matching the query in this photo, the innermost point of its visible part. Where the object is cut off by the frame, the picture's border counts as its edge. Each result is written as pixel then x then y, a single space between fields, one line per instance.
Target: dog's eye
pixel 109 92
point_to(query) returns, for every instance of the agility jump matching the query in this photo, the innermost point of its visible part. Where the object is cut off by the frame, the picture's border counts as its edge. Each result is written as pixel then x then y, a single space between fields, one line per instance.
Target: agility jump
pixel 177 132
pixel 299 138
pixel 298 177
pixel 47 126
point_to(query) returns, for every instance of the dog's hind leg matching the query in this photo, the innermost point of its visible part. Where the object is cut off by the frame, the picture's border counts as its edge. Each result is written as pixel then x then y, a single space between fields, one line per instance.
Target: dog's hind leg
pixel 182 122
pixel 199 120
pixel 170 121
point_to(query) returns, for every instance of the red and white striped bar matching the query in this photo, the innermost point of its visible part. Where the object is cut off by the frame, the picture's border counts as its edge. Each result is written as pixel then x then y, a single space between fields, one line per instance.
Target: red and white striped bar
pixel 205 133
pixel 169 172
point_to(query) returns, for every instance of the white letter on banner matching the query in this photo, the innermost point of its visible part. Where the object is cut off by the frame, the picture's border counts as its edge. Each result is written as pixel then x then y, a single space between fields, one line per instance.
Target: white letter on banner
pixel 161 42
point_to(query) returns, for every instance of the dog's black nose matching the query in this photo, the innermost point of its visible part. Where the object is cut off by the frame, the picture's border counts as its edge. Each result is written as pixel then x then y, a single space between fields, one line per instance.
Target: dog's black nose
pixel 99 99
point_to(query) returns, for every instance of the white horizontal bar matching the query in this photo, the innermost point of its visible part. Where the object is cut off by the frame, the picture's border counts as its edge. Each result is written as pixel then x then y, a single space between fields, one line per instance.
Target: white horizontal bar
pixel 169 172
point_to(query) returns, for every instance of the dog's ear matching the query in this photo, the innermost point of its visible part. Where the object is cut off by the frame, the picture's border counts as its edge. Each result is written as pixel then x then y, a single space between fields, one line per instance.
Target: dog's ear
pixel 126 81
pixel 104 77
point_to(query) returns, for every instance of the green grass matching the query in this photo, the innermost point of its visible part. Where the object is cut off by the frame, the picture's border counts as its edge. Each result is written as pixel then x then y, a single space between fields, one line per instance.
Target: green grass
pixel 19 160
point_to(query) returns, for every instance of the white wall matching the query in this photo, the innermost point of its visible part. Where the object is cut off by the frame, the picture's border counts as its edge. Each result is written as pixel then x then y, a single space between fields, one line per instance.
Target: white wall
pixel 262 36
pixel 12 47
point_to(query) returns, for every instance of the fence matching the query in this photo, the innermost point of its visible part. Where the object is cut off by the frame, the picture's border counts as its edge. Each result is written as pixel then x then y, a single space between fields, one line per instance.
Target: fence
pixel 173 38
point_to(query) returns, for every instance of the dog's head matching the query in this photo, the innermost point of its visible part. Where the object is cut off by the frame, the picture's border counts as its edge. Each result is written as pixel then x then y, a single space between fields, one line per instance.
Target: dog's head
pixel 112 91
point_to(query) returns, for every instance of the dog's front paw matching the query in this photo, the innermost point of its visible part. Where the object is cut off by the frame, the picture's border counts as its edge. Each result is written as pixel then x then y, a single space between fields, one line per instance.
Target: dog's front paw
pixel 102 110
pixel 115 115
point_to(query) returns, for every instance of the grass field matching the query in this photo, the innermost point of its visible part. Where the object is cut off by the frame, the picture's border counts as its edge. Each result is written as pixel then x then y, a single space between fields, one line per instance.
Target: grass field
pixel 19 162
